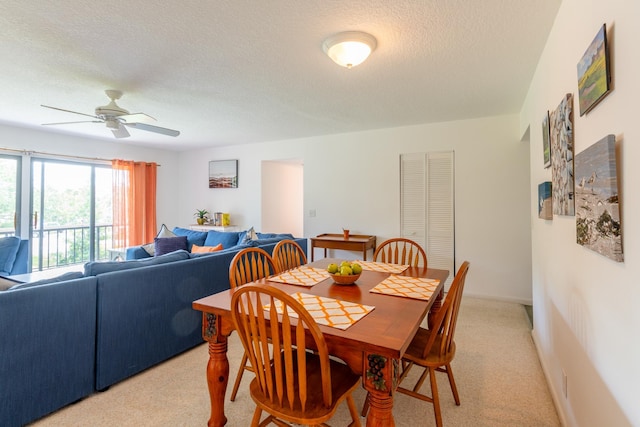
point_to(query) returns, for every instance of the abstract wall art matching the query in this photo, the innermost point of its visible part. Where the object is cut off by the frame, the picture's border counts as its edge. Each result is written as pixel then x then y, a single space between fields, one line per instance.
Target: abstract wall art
pixel 561 141
pixel 594 79
pixel 597 205
pixel 223 174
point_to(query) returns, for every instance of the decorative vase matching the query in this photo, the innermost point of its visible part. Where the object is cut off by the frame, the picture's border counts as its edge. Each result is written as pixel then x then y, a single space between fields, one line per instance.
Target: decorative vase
pixel 200 221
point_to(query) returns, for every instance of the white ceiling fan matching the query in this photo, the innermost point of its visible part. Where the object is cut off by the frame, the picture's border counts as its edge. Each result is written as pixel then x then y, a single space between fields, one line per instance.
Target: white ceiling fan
pixel 116 118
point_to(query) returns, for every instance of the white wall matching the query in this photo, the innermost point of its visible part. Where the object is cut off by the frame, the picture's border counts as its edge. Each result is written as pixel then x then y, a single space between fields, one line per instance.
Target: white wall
pixel 352 181
pixel 283 197
pixel 586 307
pixel 57 143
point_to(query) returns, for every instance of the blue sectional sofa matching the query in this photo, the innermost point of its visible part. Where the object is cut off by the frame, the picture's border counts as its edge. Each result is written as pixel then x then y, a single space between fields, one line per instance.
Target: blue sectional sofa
pixel 47 348
pixel 62 341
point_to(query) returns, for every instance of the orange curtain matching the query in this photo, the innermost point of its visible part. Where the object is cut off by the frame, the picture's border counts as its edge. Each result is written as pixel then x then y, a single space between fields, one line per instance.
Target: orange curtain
pixel 134 203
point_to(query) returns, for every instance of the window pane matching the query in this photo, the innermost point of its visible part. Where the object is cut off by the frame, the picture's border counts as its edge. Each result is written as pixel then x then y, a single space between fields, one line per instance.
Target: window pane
pixel 70 227
pixel 8 195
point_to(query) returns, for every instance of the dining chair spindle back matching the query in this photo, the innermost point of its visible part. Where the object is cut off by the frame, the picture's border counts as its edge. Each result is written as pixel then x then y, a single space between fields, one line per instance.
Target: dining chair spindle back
pixel 292 383
pixel 248 265
pixel 401 251
pixel 288 254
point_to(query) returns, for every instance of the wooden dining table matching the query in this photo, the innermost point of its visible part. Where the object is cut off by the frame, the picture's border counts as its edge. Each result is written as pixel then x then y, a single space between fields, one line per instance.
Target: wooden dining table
pixel 372 347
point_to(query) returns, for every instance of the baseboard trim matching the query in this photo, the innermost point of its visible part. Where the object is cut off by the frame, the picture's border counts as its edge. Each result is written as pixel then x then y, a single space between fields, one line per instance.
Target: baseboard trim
pixel 523 301
pixel 552 390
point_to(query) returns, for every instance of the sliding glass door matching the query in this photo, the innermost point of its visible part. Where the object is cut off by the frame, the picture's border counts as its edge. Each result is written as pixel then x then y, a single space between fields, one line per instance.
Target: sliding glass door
pixel 9 195
pixel 71 212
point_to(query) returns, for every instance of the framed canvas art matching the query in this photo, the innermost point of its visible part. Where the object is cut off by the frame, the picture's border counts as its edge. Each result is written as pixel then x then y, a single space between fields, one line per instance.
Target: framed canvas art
pixel 223 174
pixel 594 79
pixel 561 141
pixel 546 147
pixel 545 210
pixel 597 206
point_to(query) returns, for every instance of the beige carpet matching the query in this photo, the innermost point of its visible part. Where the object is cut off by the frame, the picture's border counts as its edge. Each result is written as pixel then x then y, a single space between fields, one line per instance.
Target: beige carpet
pixel 496 368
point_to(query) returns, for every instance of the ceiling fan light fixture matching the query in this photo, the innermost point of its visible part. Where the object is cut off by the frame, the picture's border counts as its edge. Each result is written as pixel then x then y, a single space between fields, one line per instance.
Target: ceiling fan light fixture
pixel 349 48
pixel 112 123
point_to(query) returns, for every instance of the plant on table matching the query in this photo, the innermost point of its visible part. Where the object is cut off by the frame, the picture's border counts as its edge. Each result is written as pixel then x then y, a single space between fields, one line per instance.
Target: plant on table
pixel 201 216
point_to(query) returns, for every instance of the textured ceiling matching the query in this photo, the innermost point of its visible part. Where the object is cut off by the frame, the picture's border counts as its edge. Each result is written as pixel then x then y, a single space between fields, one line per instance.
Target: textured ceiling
pixel 228 72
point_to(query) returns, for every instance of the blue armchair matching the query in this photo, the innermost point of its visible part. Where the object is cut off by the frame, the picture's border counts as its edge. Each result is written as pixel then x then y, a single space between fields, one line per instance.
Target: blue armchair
pixel 14 256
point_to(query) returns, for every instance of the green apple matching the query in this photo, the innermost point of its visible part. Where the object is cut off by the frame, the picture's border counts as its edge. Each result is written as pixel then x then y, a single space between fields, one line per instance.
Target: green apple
pixel 346 271
pixel 357 268
pixel 332 268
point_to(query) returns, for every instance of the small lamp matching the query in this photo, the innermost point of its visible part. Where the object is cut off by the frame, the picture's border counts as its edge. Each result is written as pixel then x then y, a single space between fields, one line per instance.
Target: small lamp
pixel 350 48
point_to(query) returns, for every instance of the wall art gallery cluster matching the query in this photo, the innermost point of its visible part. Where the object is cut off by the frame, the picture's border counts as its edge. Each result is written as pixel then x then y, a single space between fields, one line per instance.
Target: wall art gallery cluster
pixel 586 184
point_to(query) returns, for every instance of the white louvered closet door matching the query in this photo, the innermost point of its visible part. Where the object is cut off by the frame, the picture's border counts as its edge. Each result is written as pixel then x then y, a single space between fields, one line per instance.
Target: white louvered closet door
pixel 427 206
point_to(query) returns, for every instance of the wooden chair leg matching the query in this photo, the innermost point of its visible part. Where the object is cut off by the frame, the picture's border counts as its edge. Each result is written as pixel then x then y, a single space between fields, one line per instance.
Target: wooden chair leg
pixel 236 385
pixel 355 417
pixel 452 383
pixel 255 422
pixel 435 397
pixel 365 406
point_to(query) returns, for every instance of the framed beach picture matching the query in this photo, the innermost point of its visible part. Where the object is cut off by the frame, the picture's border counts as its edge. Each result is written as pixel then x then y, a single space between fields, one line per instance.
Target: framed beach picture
pixel 594 79
pixel 546 146
pixel 545 210
pixel 598 225
pixel 223 174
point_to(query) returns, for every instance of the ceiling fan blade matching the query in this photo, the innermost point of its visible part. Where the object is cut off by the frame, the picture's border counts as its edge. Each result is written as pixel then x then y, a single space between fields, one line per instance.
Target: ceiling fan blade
pixel 70 123
pixel 137 118
pixel 121 132
pixel 156 129
pixel 69 111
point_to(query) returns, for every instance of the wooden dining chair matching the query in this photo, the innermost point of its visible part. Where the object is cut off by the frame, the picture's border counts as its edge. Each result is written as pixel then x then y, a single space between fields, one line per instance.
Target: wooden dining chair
pixel 287 254
pixel 401 251
pixel 434 349
pixel 292 383
pixel 248 265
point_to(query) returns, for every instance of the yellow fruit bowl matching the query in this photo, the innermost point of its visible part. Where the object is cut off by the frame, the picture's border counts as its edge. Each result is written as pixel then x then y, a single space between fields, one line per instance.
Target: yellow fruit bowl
pixel 345 280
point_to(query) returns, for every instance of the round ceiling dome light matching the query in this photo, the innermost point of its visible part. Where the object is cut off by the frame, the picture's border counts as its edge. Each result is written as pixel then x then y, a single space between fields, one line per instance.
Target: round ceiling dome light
pixel 350 48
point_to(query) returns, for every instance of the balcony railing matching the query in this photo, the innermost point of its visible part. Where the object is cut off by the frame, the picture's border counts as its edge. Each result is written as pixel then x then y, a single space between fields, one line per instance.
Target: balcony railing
pixel 64 246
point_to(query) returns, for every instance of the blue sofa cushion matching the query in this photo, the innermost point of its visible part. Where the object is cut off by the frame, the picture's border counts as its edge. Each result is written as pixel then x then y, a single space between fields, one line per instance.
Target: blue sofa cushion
pixel 136 252
pixel 227 238
pixel 262 242
pixel 165 245
pixel 8 251
pixel 280 236
pixel 63 277
pixel 193 237
pixel 150 248
pixel 96 267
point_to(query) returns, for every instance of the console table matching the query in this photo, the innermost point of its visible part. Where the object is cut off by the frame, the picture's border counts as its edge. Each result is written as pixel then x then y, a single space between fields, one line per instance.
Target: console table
pixel 209 227
pixel 355 242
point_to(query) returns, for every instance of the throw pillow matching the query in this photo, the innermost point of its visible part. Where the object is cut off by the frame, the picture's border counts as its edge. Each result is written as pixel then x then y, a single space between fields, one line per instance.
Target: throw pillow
pixel 248 235
pixel 227 238
pixel 165 245
pixel 164 232
pixel 8 251
pixel 195 249
pixel 193 237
